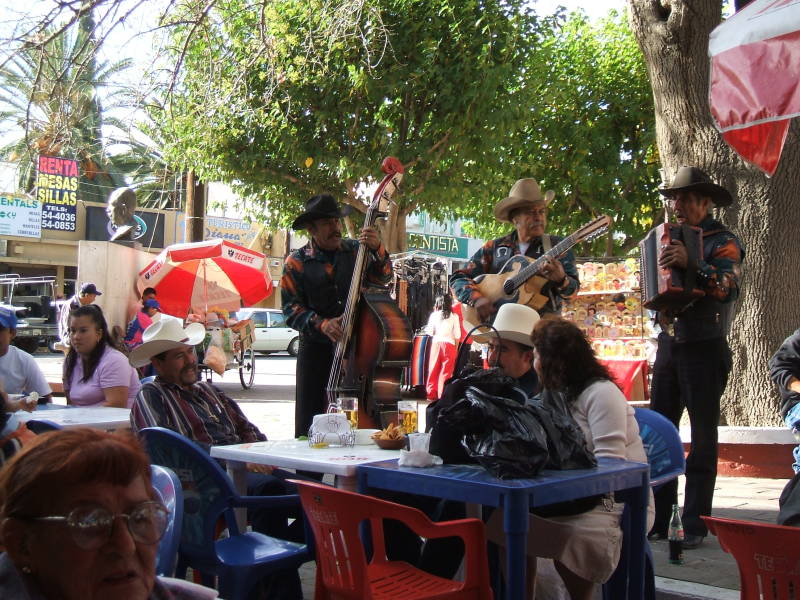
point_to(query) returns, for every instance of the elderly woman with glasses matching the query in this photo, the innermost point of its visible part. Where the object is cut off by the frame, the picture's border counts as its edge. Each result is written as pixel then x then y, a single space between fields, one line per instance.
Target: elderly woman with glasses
pixel 79 520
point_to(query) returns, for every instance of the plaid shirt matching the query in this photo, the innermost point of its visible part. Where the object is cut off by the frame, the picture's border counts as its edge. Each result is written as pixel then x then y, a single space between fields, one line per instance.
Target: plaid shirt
pixel 721 271
pixel 203 413
pixel 297 286
pixel 463 284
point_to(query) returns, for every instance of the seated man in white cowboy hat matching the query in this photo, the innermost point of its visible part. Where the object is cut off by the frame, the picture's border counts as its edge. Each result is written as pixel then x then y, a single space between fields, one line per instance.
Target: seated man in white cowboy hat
pixel 512 351
pixel 177 400
pixel 526 208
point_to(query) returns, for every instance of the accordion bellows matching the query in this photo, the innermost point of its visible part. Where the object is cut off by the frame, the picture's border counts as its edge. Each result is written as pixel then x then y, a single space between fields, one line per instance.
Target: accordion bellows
pixel 669 288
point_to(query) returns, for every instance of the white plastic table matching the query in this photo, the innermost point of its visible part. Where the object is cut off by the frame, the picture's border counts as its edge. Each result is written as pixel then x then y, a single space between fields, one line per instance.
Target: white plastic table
pixel 297 454
pixel 98 417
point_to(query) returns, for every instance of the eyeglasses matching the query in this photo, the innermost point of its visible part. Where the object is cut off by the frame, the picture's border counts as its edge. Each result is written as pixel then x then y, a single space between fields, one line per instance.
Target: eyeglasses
pixel 91 526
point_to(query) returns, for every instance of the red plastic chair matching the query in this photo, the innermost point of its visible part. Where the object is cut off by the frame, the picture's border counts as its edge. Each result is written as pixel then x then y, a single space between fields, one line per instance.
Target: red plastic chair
pixel 767 556
pixel 342 569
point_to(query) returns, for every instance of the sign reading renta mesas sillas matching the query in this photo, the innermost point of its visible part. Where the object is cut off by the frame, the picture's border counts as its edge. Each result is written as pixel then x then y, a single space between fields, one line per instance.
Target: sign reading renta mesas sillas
pixel 57 191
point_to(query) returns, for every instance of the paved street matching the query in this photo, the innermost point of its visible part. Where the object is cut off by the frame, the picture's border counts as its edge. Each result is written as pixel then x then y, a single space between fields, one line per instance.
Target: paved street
pixel 269 403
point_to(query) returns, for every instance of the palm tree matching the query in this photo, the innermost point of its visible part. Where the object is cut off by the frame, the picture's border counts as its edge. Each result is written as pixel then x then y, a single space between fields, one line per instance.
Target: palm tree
pixel 49 99
pixel 158 184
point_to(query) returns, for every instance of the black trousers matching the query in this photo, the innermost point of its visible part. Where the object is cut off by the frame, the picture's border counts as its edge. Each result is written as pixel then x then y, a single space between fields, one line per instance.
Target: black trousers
pixel 314 362
pixel 691 375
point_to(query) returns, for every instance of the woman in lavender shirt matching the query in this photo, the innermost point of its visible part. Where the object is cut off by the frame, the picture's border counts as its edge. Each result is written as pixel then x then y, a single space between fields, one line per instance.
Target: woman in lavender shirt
pixel 96 374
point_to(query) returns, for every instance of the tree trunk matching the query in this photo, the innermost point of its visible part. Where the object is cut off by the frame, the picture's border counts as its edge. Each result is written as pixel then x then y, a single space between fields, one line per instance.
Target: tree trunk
pixel 673 36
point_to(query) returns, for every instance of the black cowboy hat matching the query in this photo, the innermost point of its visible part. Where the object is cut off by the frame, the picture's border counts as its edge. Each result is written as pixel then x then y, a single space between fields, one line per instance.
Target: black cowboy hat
pixel 693 179
pixel 322 206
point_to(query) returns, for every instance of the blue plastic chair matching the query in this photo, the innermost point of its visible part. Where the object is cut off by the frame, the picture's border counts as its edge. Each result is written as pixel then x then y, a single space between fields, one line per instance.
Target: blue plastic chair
pixel 664 449
pixel 662 443
pixel 168 487
pixel 38 426
pixel 243 558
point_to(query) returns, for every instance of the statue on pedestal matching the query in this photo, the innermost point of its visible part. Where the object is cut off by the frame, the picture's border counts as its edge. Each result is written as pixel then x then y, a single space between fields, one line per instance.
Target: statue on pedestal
pixel 120 209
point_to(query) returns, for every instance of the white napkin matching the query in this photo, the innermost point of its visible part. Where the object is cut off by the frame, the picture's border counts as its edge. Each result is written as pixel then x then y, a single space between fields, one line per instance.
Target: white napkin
pixel 418 458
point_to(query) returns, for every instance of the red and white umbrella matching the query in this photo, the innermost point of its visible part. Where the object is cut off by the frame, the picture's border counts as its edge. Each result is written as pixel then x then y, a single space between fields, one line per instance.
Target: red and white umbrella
pixel 209 274
pixel 755 79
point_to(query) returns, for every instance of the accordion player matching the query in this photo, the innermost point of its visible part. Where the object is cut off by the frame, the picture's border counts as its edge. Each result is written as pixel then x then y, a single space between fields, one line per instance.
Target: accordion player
pixel 669 288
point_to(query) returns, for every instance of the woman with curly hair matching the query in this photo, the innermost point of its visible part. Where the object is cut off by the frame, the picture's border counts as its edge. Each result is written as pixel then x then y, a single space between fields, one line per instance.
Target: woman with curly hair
pixel 96 373
pixel 584 546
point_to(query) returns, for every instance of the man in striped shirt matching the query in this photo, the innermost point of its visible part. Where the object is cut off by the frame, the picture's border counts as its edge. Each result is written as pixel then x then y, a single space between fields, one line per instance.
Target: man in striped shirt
pixel 197 410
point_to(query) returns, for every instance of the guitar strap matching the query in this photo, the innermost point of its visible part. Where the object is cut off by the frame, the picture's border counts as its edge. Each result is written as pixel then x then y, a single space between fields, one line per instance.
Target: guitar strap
pixel 546 243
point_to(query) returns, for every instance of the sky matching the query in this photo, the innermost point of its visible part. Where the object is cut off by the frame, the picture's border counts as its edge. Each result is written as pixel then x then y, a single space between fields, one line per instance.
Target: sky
pixel 594 8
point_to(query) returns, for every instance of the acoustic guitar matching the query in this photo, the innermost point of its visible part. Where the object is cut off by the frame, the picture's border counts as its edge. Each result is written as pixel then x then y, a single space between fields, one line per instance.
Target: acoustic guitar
pixel 518 282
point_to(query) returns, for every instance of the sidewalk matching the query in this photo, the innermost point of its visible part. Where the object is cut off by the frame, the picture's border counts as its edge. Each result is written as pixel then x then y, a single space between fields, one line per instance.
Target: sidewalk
pixel 708 571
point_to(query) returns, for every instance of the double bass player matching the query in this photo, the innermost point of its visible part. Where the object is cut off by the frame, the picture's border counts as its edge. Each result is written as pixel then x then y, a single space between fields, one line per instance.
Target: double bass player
pixel 314 288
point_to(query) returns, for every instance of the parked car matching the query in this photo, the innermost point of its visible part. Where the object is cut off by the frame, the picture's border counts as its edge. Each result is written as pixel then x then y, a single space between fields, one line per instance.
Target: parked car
pixel 271 334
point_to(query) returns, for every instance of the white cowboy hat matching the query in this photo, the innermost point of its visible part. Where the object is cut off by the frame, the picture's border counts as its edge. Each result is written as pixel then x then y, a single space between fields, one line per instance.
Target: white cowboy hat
pixel 513 322
pixel 525 192
pixel 166 334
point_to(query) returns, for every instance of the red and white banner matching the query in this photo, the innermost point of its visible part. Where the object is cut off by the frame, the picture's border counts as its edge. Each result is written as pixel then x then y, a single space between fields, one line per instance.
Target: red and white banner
pixel 755 79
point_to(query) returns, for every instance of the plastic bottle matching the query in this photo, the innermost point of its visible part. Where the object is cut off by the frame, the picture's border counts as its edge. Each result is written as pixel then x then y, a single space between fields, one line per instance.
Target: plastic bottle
pixel 675 536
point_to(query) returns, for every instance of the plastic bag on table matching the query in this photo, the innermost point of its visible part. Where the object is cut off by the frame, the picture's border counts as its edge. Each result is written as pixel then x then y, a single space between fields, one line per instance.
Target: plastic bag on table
pixel 502 434
pixel 215 359
pixel 445 437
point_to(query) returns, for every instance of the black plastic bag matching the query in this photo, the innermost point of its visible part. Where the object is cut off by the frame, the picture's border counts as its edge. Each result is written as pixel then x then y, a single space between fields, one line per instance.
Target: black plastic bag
pixel 502 434
pixel 446 437
pixel 566 443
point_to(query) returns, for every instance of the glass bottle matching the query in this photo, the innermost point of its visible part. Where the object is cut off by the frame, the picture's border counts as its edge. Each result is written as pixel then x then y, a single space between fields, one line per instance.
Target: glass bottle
pixel 675 536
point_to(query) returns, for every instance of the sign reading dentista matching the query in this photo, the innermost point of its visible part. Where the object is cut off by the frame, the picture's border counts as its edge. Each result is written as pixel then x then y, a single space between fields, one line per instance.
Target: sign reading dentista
pixel 57 192
pixel 440 245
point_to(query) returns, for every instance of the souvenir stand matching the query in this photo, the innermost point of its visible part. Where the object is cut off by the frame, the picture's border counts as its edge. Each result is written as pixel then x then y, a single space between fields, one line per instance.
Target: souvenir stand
pixel 609 311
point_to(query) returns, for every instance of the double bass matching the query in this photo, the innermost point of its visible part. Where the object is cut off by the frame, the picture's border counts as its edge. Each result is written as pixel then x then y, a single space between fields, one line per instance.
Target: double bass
pixel 376 341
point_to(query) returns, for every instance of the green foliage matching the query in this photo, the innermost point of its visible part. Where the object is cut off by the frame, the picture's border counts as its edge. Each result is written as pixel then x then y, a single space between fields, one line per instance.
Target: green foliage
pixel 436 83
pixel 142 161
pixel 590 135
pixel 49 99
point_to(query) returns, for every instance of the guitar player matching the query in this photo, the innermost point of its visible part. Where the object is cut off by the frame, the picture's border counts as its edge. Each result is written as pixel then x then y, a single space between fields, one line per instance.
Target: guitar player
pixel 526 208
pixel 692 364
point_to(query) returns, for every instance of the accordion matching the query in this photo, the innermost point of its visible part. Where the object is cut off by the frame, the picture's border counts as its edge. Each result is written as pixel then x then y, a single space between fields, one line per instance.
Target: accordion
pixel 669 288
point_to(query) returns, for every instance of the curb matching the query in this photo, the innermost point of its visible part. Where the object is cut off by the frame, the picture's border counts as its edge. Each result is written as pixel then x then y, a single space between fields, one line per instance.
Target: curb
pixel 674 589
